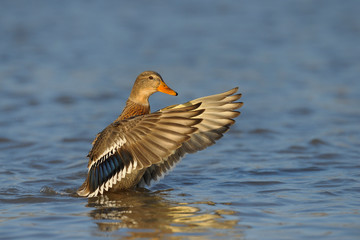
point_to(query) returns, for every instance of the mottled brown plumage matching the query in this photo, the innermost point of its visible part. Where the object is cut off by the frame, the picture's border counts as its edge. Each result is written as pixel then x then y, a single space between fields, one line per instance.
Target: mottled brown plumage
pixel 133 109
pixel 140 147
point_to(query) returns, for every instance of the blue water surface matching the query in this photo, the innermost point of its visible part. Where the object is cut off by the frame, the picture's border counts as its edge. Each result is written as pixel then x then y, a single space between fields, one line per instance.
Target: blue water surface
pixel 288 169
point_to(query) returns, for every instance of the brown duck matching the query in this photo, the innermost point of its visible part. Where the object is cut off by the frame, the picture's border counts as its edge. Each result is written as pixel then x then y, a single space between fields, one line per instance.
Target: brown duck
pixel 140 147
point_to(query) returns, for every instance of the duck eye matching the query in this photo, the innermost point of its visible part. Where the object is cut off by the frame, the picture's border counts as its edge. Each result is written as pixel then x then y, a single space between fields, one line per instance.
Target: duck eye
pixel 151 77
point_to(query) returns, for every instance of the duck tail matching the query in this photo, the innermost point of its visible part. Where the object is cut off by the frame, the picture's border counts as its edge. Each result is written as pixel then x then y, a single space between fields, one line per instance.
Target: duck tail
pixel 84 190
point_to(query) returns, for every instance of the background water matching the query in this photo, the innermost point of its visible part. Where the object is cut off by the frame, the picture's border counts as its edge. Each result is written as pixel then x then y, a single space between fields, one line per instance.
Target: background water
pixel 288 169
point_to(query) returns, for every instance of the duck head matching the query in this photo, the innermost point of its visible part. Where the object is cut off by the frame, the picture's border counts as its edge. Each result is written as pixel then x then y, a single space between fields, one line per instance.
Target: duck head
pixel 146 84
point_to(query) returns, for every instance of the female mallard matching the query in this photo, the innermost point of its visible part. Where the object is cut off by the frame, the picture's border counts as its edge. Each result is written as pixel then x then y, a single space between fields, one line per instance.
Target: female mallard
pixel 140 146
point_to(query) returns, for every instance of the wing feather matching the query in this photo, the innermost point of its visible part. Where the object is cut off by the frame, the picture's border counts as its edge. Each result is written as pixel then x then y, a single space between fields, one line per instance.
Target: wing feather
pixel 216 118
pixel 128 146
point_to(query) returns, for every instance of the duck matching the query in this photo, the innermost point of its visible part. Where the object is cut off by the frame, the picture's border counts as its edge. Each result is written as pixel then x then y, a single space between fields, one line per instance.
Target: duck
pixel 140 147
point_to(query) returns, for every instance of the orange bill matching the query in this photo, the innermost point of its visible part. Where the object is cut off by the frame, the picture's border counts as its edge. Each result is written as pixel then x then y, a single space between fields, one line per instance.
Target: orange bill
pixel 165 89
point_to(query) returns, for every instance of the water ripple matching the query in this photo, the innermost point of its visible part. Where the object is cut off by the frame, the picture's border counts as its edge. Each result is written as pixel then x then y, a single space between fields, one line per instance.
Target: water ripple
pixel 301 170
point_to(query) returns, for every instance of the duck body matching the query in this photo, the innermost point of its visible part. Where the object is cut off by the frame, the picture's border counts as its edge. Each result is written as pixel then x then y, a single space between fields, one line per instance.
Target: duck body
pixel 140 147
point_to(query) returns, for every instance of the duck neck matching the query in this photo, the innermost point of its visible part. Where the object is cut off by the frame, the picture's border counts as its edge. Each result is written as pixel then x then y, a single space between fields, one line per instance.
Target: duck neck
pixel 132 109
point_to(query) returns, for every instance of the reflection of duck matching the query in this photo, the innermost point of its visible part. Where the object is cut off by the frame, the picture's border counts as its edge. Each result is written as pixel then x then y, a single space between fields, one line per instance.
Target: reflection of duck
pixel 140 146
pixel 150 215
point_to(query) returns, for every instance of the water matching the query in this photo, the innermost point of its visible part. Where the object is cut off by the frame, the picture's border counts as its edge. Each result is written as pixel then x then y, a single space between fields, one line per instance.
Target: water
pixel 288 169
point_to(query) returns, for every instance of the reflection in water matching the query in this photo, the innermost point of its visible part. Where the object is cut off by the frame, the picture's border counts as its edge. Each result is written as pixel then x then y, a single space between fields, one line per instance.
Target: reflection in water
pixel 148 214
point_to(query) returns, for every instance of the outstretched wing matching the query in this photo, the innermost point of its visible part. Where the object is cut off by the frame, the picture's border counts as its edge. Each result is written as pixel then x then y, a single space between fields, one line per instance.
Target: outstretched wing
pixel 134 144
pixel 217 117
